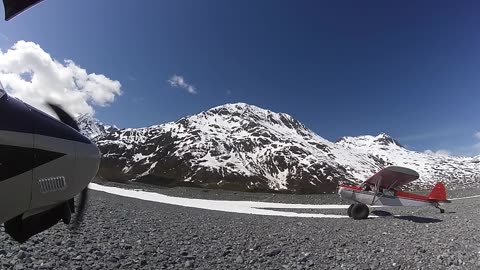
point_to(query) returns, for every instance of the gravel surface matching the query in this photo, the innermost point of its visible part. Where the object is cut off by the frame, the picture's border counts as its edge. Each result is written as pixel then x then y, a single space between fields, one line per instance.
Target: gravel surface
pixel 218 194
pixel 124 233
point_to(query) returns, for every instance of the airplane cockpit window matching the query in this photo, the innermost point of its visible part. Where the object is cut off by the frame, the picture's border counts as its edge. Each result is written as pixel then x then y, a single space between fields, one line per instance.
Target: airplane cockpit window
pixel 2 90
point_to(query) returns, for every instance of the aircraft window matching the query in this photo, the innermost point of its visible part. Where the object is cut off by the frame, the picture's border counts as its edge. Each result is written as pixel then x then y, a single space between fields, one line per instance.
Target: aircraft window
pixel 388 192
pixel 367 187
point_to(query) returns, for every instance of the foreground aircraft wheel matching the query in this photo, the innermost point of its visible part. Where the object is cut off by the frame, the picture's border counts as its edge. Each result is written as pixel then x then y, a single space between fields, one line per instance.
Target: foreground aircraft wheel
pixel 349 210
pixel 360 211
pixel 67 213
pixel 442 211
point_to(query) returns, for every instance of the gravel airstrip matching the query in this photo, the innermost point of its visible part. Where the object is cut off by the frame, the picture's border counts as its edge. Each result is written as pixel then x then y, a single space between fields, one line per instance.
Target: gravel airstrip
pixel 127 233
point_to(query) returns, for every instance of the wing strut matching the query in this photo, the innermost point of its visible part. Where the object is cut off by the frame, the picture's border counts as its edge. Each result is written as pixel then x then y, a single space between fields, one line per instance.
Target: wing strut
pixel 393 184
pixel 376 190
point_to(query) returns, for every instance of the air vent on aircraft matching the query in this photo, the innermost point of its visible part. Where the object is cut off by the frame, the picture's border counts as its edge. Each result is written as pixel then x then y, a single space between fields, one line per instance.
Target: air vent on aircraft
pixel 52 184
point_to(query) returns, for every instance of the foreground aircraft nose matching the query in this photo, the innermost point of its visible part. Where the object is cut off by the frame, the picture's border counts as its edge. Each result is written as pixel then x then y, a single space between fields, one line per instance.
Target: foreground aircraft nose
pixel 44 164
pixel 76 163
pixel 86 163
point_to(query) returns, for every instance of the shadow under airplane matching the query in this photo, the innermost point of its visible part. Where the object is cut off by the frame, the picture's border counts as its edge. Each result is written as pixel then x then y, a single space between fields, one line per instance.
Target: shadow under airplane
pixel 415 219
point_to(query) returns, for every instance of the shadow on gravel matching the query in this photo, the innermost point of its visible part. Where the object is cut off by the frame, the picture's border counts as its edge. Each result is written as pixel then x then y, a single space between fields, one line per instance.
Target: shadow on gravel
pixel 415 219
pixel 382 213
pixel 419 219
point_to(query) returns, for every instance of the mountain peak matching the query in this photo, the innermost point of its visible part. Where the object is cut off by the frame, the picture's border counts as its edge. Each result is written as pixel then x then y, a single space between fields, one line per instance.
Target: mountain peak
pixel 382 139
pixel 84 116
pixel 251 117
pixel 384 135
pixel 385 139
pixel 245 107
pixel 238 107
pixel 244 147
pixel 92 128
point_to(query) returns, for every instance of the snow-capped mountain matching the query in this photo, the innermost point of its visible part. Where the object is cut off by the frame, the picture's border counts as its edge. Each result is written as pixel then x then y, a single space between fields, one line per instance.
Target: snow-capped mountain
pixel 243 147
pixel 431 167
pixel 92 127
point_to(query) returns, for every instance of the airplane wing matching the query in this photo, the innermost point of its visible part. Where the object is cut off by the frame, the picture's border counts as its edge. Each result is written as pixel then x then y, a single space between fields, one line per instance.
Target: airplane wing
pixel 15 7
pixel 392 177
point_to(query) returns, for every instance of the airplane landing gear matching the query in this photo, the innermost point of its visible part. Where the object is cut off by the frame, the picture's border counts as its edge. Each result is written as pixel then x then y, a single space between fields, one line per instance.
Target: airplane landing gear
pixel 349 210
pixel 359 211
pixel 441 209
pixel 68 209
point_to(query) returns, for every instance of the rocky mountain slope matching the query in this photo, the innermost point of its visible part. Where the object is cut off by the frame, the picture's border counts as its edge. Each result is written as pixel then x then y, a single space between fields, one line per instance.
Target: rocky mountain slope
pixel 92 127
pixel 243 147
pixel 464 171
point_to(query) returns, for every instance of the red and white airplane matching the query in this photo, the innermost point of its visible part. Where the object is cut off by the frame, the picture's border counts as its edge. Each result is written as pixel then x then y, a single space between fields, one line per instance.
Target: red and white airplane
pixel 383 188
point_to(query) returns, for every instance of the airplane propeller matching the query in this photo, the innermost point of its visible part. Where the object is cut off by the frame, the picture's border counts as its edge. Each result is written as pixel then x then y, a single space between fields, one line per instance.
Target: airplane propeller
pixel 68 120
pixel 22 228
pixel 15 7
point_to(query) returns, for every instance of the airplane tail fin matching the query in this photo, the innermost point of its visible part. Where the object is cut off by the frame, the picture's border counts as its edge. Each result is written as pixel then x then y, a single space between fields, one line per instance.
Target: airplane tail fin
pixel 438 193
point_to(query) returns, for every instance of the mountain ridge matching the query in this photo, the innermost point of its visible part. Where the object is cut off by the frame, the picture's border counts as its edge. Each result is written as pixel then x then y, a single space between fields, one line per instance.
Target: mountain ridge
pixel 244 147
pixel 92 127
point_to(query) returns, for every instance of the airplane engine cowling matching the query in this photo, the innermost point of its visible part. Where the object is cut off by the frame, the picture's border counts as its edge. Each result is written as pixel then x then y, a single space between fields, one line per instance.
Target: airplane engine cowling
pixel 44 164
pixel 75 161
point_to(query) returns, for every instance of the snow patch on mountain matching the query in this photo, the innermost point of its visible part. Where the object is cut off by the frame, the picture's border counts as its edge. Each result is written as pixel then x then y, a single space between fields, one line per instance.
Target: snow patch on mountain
pixel 431 167
pixel 242 146
pixel 92 128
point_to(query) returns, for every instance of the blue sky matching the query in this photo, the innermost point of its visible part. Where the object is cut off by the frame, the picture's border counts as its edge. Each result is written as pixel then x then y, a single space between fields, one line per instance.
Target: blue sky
pixel 410 68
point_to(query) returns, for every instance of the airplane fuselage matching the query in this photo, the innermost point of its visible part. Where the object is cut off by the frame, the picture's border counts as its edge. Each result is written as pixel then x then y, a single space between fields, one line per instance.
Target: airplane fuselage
pixel 43 162
pixel 386 198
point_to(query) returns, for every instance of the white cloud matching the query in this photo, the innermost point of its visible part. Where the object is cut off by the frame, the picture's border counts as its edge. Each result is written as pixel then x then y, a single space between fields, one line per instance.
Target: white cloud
pixel 476 146
pixel 441 152
pixel 179 81
pixel 31 74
